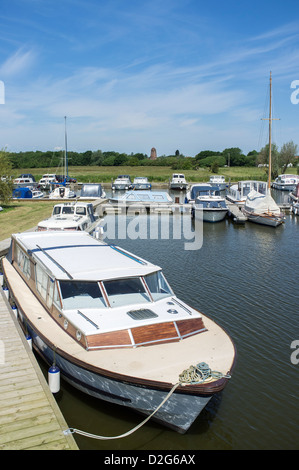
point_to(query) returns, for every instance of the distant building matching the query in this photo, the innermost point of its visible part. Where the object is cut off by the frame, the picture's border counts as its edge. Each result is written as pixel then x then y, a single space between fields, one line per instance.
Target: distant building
pixel 153 154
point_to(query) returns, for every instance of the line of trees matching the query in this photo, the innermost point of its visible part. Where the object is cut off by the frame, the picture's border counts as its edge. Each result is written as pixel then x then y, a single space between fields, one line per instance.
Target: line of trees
pixel 206 158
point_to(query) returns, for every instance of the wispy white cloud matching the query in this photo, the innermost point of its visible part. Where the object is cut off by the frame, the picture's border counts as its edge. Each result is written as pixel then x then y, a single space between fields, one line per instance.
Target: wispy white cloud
pixel 18 63
pixel 139 75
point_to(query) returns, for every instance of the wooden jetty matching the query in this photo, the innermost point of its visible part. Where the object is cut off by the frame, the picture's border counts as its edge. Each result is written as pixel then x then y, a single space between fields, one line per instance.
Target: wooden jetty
pixel 30 418
pixel 235 213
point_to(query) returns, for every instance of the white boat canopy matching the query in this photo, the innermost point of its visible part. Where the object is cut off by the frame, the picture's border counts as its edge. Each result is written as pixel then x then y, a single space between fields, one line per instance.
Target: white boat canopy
pixel 78 256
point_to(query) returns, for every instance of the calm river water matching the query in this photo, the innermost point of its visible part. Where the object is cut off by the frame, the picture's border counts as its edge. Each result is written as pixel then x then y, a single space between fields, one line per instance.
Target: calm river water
pixel 245 277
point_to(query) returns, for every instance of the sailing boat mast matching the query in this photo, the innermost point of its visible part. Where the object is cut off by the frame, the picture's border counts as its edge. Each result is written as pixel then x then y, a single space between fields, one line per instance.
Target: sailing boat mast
pixel 65 151
pixel 270 133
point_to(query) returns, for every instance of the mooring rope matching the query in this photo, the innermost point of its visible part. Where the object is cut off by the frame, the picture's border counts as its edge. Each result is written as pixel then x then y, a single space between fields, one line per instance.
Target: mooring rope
pixel 93 436
pixel 193 375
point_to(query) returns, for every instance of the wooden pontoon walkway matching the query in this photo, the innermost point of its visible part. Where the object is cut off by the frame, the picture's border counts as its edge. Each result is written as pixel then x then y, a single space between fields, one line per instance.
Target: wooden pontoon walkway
pixel 29 415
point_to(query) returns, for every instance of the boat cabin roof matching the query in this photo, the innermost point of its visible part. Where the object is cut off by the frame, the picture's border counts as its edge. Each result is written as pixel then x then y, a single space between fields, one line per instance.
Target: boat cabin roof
pixel 78 256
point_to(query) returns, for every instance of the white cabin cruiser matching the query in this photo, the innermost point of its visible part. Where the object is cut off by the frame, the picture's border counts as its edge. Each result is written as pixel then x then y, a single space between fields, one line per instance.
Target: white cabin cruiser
pixel 115 327
pixel 178 181
pixel 122 182
pixel 218 181
pixel 285 182
pixel 70 216
pixel 209 206
pixel 237 193
pixel 141 182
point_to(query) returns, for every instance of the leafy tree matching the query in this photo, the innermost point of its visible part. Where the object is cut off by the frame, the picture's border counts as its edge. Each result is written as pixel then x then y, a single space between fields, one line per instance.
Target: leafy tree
pixel 264 158
pixel 6 184
pixel 287 154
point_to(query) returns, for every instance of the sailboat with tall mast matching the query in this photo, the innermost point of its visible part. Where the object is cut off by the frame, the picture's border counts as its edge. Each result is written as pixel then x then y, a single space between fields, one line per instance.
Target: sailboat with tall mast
pixel 261 207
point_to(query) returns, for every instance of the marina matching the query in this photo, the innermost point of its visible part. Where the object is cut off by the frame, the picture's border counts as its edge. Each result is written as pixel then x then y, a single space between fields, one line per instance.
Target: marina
pixel 226 422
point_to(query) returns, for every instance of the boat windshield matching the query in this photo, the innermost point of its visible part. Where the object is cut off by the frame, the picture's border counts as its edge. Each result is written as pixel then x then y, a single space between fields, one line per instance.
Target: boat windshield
pixel 81 294
pixel 120 292
pixel 158 286
pixel 63 210
pixel 126 291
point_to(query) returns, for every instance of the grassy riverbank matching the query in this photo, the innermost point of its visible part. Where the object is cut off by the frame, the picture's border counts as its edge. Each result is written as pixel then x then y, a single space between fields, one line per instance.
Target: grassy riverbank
pixel 158 174
pixel 20 216
pixel 23 215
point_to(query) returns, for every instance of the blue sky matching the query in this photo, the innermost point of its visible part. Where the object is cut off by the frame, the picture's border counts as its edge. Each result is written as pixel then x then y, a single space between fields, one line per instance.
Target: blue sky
pixel 130 75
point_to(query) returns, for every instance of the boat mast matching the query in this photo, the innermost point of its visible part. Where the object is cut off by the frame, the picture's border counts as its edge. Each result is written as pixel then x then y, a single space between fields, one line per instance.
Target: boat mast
pixel 270 132
pixel 65 150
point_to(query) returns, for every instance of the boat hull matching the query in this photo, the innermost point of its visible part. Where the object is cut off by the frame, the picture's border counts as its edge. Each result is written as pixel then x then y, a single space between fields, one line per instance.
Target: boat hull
pixel 284 186
pixel 208 215
pixel 271 221
pixel 139 186
pixel 175 414
pixel 178 186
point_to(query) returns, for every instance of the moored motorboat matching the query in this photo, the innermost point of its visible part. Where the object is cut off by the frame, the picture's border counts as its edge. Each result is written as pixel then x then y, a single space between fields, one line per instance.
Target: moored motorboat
pixel 144 197
pixel 218 181
pixel 178 181
pixel 62 192
pixel 70 216
pixel 92 191
pixel 114 326
pixel 122 182
pixel 237 193
pixel 285 182
pixel 141 182
pixel 194 190
pixel 209 206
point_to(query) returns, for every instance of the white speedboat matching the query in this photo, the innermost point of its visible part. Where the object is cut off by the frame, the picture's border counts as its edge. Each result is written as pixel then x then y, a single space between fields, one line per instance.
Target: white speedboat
pixel 62 192
pixel 285 182
pixel 122 182
pixel 115 328
pixel 71 217
pixel 218 181
pixel 209 206
pixel 141 182
pixel 178 181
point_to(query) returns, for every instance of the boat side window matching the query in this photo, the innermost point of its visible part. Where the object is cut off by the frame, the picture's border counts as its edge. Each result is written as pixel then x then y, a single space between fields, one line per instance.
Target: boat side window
pixel 81 210
pixel 126 291
pixel 81 294
pixel 23 261
pixel 41 280
pixel 158 286
pixel 50 292
pixel 56 210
